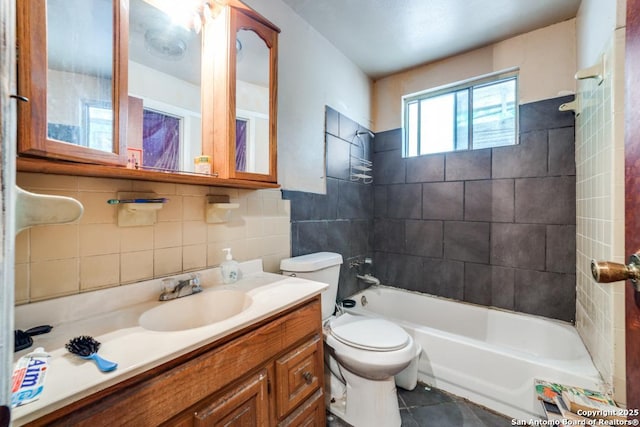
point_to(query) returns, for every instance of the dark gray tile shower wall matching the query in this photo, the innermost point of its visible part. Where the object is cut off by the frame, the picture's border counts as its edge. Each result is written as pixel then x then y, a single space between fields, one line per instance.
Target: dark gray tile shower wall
pixel 342 220
pixel 494 227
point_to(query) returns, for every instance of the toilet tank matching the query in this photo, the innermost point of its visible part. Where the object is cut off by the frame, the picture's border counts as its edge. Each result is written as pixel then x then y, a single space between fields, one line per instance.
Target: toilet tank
pixel 321 267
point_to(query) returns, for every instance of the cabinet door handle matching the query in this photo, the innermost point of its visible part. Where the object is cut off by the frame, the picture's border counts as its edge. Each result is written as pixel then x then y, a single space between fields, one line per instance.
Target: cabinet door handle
pixel 308 377
pixel 19 97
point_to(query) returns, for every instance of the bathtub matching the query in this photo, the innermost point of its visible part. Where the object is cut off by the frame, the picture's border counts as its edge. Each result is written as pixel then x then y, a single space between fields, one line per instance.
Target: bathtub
pixel 488 356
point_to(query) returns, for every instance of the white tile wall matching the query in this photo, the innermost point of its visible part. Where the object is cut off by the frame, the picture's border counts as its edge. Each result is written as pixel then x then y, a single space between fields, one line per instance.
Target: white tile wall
pixel 600 214
pixel 94 253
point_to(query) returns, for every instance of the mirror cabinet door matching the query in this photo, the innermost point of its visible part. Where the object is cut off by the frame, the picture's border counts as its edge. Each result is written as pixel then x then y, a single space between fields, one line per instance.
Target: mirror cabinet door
pixel 252 103
pixel 242 135
pixel 253 138
pixel 72 67
pixel 165 125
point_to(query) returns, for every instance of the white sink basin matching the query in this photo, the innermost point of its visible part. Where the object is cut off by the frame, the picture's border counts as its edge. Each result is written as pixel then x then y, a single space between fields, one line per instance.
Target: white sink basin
pixel 195 311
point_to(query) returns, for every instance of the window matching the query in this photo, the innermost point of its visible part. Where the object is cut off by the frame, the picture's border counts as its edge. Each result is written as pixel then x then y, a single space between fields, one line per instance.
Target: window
pixel 98 125
pixel 475 114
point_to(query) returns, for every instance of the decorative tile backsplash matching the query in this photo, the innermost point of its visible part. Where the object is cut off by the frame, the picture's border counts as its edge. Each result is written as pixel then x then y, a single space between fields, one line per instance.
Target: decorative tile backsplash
pixel 95 253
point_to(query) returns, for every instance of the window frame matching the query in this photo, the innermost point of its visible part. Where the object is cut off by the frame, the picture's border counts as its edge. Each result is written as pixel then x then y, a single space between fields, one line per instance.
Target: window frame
pixel 453 88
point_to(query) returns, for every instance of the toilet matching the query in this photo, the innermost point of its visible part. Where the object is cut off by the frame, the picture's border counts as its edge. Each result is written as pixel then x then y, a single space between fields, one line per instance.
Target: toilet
pixel 362 354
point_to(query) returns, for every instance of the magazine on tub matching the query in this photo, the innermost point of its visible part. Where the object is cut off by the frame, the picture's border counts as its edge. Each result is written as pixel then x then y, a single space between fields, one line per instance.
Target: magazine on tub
pixel 561 401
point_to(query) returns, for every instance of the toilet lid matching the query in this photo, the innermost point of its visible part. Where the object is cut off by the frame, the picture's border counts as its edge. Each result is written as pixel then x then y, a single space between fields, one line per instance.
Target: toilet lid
pixel 368 333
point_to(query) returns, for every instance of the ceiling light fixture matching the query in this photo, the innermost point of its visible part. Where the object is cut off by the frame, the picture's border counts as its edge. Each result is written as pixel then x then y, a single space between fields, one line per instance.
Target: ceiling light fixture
pixel 165 43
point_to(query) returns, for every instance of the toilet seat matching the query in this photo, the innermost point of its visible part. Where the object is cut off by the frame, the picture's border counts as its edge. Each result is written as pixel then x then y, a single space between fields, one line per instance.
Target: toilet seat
pixel 368 333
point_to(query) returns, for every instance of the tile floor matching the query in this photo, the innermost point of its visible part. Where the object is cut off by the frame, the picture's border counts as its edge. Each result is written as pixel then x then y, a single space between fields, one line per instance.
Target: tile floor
pixel 429 407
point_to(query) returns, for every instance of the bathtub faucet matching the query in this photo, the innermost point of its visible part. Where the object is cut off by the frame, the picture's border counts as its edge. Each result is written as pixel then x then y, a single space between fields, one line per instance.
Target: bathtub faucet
pixel 368 278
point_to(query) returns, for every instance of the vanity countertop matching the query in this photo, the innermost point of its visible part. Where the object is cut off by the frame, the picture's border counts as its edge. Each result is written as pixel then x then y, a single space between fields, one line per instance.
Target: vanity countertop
pixel 111 317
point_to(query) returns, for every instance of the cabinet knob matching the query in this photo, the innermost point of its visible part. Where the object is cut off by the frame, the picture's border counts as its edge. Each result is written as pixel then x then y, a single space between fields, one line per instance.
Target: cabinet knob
pixel 308 377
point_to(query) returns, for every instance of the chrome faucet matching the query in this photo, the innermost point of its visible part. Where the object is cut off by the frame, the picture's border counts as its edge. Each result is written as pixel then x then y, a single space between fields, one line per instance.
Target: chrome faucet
pixel 182 288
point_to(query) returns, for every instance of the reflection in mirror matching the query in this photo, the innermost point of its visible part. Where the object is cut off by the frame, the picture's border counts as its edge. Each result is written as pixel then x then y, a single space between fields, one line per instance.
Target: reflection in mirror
pixel 79 73
pixel 164 73
pixel 252 103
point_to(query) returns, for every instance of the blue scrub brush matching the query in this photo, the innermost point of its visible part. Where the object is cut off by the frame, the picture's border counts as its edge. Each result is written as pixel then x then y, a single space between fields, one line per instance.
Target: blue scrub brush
pixel 87 348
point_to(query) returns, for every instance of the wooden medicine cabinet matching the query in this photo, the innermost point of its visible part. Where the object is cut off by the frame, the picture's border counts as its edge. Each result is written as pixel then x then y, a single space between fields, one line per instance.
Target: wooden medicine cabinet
pixel 87 114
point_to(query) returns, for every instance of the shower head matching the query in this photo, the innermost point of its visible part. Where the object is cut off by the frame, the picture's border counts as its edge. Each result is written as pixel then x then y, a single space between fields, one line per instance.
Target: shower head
pixel 364 132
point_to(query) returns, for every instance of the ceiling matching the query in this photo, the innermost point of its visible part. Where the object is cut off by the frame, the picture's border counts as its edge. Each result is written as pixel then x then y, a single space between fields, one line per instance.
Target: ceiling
pixel 383 37
pixel 157 43
pixel 79 41
pixel 69 49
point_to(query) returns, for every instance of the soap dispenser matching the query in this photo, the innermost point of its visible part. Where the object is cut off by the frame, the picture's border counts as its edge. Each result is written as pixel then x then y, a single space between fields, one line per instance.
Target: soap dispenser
pixel 229 268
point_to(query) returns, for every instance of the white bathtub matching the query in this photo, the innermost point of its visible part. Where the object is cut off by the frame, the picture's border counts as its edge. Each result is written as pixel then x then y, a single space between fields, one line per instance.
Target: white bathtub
pixel 488 356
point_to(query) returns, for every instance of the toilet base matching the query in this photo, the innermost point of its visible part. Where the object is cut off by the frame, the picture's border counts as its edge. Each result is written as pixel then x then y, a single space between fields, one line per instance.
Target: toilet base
pixel 366 402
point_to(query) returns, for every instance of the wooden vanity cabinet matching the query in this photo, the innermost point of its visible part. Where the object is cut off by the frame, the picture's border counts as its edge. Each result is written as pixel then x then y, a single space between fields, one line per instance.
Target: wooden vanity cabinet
pixel 270 374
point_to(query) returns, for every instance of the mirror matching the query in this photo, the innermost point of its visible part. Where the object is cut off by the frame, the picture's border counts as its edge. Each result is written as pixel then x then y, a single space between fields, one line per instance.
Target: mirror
pixel 80 73
pixel 243 65
pixel 165 125
pixel 71 68
pixel 252 103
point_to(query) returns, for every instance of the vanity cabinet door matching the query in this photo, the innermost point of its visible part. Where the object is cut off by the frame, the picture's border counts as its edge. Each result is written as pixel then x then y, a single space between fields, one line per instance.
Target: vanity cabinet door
pixel 298 375
pixel 72 67
pixel 244 405
pixel 309 414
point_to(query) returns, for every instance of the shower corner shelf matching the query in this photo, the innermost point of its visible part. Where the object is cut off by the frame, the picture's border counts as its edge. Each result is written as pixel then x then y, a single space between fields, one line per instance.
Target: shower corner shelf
pixel 361 170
